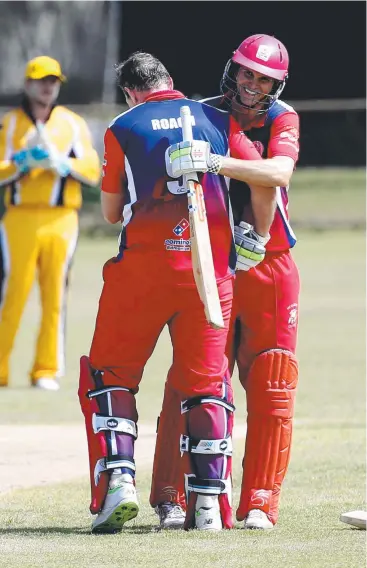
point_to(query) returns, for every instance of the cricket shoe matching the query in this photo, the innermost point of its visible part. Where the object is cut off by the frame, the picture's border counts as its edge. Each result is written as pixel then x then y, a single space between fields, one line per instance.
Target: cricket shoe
pixel 171 515
pixel 120 506
pixel 207 513
pixel 257 519
pixel 46 383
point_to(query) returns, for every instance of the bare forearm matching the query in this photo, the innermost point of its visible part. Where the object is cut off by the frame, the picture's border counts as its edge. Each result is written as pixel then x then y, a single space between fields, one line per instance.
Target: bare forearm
pixel 266 173
pixel 263 203
pixel 112 206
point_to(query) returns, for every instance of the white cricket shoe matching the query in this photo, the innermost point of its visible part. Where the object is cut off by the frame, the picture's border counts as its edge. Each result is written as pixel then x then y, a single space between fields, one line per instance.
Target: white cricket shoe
pixel 207 513
pixel 47 383
pixel 171 515
pixel 120 506
pixel 257 519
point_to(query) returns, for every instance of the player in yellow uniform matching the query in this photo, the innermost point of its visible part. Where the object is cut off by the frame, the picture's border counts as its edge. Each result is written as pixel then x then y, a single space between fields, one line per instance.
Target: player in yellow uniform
pixel 46 154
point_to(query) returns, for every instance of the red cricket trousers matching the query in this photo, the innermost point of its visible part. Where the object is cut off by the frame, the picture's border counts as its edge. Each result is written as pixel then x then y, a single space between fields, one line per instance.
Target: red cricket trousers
pixel 136 303
pixel 265 310
pixel 264 316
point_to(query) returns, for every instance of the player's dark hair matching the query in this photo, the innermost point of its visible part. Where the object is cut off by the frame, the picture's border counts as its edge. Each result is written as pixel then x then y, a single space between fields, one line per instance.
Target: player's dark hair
pixel 141 72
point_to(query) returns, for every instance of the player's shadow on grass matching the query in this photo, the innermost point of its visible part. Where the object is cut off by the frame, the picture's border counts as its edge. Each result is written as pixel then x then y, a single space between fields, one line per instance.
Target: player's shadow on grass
pixel 44 531
pixel 141 529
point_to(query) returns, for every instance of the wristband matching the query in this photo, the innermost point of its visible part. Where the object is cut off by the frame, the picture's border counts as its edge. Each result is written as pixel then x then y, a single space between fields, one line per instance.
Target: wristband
pixel 215 164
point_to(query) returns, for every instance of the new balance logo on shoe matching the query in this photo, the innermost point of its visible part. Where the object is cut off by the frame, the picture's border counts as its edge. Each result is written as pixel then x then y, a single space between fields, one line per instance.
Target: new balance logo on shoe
pixel 207 513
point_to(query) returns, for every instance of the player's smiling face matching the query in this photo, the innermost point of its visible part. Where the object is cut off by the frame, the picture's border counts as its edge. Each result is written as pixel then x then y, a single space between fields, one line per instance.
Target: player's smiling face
pixel 252 86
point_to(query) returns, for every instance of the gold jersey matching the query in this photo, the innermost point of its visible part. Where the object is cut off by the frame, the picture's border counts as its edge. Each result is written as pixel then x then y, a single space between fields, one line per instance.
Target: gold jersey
pixel 69 134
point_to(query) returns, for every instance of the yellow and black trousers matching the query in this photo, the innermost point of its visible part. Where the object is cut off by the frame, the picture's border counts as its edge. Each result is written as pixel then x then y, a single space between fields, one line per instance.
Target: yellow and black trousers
pixel 36 241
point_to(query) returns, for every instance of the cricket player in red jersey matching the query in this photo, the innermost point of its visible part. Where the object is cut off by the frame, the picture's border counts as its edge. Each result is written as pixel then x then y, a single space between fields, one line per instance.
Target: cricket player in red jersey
pixel 134 308
pixel 263 330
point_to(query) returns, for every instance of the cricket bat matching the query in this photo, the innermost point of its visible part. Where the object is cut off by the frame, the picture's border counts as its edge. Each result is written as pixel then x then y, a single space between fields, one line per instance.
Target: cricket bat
pixel 201 250
pixel 357 519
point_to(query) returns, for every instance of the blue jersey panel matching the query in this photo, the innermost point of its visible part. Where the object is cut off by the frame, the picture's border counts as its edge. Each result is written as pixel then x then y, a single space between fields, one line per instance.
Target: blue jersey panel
pixel 146 131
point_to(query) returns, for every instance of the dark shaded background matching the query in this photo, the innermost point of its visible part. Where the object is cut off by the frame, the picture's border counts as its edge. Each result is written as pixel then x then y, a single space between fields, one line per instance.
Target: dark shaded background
pixel 326 41
pixel 194 39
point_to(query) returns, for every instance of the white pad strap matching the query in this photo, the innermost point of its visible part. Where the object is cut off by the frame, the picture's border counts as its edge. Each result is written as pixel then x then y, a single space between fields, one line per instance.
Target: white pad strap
pixel 103 464
pixel 207 486
pixel 105 390
pixel 115 424
pixel 222 446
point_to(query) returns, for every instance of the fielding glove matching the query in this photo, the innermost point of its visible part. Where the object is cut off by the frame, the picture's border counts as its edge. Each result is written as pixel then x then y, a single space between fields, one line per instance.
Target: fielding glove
pixel 55 161
pixel 250 246
pixel 21 160
pixel 36 157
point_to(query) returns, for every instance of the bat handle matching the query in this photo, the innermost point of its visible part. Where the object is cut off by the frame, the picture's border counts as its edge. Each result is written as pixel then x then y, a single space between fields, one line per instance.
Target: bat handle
pixel 185 114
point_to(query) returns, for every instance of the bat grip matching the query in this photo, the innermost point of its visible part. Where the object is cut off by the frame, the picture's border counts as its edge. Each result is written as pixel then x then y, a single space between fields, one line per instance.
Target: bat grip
pixel 186 122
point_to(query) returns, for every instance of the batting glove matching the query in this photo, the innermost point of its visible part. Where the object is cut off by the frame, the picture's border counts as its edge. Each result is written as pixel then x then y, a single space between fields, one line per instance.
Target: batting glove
pixel 250 246
pixel 191 156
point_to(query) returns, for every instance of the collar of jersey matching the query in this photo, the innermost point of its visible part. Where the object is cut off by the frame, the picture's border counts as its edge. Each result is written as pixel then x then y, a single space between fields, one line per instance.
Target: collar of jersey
pixel 164 96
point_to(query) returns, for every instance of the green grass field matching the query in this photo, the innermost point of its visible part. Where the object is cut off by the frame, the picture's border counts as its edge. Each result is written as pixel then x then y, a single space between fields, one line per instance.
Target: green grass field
pixel 49 526
pixel 319 198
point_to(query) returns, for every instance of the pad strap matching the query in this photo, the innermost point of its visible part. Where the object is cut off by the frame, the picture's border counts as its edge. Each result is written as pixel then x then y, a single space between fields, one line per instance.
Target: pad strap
pixel 114 424
pixel 206 486
pixel 221 446
pixel 104 390
pixel 112 462
pixel 190 403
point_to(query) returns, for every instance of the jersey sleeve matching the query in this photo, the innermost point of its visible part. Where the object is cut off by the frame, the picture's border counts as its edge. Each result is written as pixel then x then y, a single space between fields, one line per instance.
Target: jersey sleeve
pixel 240 146
pixel 8 170
pixel 113 169
pixel 85 166
pixel 284 136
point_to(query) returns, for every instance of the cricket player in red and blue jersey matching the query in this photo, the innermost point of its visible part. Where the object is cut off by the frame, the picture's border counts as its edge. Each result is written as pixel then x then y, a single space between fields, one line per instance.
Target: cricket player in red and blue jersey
pixel 150 284
pixel 263 329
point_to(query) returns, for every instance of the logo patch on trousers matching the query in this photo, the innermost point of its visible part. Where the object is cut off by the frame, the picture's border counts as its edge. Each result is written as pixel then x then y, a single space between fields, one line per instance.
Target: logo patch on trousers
pixel 292 315
pixel 260 498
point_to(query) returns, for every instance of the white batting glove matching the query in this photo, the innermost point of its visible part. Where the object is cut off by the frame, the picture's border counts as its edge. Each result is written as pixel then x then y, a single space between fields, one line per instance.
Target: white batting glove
pixel 191 156
pixel 250 246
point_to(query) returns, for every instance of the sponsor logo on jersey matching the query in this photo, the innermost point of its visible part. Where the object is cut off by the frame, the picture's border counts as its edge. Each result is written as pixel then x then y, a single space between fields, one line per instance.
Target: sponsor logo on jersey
pixel 181 227
pixel 180 245
pixel 291 134
pixel 169 123
pixel 259 147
